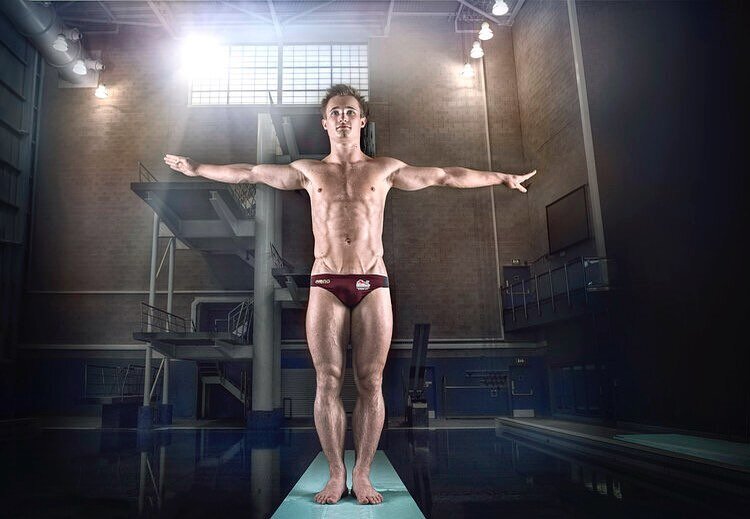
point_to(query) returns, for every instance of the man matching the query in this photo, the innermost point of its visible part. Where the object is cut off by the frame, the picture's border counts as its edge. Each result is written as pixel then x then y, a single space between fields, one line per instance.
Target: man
pixel 349 296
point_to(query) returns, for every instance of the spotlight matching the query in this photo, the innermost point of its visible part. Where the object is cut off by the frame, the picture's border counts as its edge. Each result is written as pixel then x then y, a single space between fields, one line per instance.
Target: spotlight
pixel 467 71
pixel 60 43
pixel 101 91
pixel 500 8
pixel 476 50
pixel 201 55
pixel 486 32
pixel 79 67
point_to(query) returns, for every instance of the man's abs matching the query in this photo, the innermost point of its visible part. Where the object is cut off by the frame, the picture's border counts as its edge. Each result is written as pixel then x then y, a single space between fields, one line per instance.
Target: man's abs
pixel 349 265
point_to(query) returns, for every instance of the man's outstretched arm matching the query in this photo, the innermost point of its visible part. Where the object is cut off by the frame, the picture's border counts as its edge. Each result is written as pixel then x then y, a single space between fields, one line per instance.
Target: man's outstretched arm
pixel 411 178
pixel 280 176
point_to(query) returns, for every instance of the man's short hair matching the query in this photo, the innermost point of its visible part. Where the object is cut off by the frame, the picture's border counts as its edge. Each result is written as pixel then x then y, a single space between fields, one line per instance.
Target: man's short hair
pixel 344 90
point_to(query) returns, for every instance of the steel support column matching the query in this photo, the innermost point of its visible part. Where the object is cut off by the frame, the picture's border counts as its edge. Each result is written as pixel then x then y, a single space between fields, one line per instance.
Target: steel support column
pixel 263 321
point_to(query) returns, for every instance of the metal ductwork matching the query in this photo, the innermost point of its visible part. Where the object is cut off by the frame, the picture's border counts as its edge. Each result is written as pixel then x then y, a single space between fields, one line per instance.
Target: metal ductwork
pixel 39 23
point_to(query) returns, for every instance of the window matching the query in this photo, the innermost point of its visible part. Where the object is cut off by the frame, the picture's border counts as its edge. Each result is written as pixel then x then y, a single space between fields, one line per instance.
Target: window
pixel 248 74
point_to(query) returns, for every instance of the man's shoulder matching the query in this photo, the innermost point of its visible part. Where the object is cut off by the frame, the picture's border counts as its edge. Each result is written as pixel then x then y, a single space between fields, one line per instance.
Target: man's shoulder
pixel 388 163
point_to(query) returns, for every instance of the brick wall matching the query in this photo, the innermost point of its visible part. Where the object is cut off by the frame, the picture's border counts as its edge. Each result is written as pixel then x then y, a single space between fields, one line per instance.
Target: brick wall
pixel 549 108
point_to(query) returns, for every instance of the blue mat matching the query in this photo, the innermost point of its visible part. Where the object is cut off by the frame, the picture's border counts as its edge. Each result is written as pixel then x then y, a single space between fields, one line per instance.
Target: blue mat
pixel 397 502
pixel 731 453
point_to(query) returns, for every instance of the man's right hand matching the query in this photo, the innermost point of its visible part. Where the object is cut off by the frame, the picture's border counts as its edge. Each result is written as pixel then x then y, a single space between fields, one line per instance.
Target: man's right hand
pixel 184 165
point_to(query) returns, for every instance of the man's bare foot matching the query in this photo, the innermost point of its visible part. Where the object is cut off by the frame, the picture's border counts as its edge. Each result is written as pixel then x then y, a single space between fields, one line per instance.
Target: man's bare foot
pixel 363 491
pixel 334 490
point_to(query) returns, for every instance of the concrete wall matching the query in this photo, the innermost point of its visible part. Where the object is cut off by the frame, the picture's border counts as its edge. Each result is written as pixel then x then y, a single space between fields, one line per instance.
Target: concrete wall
pixel 92 232
pixel 664 96
pixel 550 113
pixel 661 79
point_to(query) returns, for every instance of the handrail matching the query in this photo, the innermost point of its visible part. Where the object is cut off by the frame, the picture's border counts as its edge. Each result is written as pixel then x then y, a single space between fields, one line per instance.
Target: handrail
pixel 156 379
pixel 244 195
pixel 144 174
pixel 588 273
pixel 278 260
pixel 153 317
pixel 239 320
pixel 115 381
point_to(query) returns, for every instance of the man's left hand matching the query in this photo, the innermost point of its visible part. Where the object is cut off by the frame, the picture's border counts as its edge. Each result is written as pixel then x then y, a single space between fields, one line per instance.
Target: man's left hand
pixel 514 181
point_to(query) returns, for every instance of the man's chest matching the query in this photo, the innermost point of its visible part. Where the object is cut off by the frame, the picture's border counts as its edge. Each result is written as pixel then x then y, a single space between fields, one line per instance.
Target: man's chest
pixel 347 184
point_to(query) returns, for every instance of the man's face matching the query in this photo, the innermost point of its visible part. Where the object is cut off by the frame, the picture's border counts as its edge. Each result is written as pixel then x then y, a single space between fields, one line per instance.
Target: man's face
pixel 343 120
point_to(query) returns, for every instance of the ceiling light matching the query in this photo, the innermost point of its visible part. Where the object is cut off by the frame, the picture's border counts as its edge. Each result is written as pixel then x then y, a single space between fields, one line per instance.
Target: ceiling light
pixel 60 43
pixel 101 91
pixel 476 50
pixel 79 67
pixel 500 8
pixel 486 32
pixel 467 71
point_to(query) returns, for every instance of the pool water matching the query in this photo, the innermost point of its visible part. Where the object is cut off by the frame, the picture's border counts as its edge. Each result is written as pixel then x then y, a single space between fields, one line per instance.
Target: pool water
pixel 450 473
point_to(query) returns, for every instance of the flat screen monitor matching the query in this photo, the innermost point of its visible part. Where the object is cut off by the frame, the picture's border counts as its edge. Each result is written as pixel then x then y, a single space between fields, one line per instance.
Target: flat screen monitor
pixel 568 220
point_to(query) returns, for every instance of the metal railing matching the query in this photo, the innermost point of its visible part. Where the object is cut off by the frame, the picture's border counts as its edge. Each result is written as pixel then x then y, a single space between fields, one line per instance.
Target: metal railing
pixel 240 321
pixel 144 174
pixel 278 260
pixel 558 286
pixel 244 194
pixel 153 318
pixel 115 381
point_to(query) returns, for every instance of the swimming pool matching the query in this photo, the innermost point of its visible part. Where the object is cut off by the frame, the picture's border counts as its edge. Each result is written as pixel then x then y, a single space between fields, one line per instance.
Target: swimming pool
pixel 450 473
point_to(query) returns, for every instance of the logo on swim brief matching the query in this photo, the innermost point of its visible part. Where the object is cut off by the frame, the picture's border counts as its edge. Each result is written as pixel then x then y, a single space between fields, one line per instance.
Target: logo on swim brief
pixel 322 281
pixel 363 284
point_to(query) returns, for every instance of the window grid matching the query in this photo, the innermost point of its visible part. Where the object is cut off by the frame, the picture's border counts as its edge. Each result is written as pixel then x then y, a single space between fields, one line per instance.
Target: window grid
pixel 249 72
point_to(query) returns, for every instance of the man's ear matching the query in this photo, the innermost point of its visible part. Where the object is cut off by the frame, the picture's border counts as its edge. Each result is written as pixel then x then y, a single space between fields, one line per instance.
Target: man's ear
pixel 323 122
pixel 364 122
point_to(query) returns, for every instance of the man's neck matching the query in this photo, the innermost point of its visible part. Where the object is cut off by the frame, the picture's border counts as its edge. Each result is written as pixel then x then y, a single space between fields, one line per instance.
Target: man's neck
pixel 345 153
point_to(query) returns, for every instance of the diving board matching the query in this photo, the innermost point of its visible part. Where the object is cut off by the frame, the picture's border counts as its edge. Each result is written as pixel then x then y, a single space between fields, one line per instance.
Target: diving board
pixel 397 502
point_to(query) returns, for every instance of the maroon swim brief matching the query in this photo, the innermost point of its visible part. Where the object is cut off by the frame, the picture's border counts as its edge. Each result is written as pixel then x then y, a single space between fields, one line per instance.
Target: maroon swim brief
pixel 349 288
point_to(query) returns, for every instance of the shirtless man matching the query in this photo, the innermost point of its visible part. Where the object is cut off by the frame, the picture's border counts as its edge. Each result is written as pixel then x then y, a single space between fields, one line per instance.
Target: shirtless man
pixel 349 296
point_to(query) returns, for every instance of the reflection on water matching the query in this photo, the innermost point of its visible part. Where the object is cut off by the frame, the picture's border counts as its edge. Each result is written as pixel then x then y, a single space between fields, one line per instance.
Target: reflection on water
pixel 452 473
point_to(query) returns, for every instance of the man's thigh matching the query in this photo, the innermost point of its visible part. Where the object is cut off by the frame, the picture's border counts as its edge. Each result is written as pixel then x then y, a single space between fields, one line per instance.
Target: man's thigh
pixel 372 329
pixel 327 324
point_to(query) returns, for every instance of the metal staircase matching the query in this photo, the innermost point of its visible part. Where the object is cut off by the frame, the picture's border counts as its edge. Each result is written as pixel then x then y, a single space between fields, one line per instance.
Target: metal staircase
pixel 213 373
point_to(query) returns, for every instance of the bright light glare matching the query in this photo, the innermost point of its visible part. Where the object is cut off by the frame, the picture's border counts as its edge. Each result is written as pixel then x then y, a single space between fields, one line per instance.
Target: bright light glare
pixel 202 55
pixel 101 92
pixel 60 43
pixel 486 32
pixel 500 8
pixel 468 71
pixel 79 67
pixel 476 50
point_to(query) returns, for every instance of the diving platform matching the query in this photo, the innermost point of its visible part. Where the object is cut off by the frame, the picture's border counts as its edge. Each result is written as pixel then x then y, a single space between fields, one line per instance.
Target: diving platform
pixel 295 287
pixel 397 502
pixel 211 217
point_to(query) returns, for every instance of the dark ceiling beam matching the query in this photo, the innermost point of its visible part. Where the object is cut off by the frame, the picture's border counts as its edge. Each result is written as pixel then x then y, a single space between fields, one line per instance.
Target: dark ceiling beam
pixel 247 12
pixel 276 25
pixel 478 10
pixel 306 12
pixel 74 19
pixel 107 11
pixel 162 19
pixel 389 15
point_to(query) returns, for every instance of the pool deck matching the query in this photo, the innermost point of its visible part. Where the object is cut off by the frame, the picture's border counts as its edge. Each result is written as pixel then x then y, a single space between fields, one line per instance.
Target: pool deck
pixel 601 443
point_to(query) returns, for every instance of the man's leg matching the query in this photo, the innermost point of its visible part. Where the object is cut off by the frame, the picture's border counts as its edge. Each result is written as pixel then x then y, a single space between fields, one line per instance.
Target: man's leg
pixel 327 326
pixel 372 327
